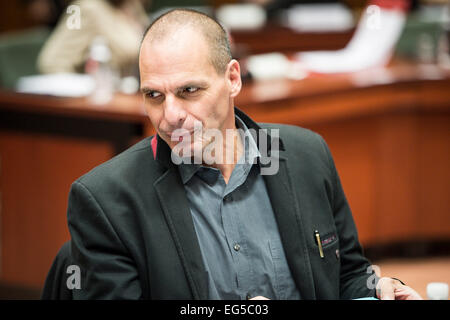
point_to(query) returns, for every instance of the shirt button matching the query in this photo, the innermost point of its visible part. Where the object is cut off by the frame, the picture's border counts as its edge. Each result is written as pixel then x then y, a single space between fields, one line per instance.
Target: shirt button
pixel 237 247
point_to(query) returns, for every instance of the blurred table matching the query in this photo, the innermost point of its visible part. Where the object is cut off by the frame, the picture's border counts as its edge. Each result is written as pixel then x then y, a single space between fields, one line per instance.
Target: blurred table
pixel 388 130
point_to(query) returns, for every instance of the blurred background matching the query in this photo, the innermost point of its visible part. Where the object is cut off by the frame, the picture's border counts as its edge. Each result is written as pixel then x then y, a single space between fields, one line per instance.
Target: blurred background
pixel 372 77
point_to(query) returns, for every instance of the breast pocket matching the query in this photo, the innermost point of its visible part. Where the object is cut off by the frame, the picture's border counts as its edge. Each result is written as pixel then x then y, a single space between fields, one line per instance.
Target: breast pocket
pixel 327 246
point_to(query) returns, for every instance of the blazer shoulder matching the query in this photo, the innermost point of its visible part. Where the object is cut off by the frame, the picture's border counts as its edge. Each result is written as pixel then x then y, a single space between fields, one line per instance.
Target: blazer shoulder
pixel 129 165
pixel 303 146
pixel 295 136
pixel 290 130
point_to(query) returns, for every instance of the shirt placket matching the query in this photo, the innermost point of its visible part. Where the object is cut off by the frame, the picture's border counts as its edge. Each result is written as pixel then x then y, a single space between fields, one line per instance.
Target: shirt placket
pixel 236 240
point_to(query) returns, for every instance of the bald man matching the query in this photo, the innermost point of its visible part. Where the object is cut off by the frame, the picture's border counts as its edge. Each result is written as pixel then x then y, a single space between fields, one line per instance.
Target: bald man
pixel 214 206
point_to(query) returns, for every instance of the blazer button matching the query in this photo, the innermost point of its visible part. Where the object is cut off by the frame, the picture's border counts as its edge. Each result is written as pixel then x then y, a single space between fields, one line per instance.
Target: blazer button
pixel 237 247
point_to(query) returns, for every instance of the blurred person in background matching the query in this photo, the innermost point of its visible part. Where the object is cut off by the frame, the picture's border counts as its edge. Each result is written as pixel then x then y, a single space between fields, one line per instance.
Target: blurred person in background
pixel 119 22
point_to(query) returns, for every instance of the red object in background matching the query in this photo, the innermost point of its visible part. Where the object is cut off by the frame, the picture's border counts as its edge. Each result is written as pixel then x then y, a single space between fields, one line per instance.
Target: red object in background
pixel 403 5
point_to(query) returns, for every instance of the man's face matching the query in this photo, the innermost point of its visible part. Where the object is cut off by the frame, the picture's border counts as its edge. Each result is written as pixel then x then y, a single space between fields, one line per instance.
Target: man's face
pixel 182 89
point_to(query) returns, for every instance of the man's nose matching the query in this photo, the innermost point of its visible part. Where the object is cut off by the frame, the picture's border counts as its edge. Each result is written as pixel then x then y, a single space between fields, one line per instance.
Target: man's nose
pixel 174 112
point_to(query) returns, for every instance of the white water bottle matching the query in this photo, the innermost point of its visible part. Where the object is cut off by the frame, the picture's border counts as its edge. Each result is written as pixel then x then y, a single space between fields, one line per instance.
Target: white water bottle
pixel 98 66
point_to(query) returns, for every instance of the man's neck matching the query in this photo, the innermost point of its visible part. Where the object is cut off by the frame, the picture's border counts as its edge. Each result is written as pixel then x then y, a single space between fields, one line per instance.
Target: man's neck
pixel 237 150
pixel 233 149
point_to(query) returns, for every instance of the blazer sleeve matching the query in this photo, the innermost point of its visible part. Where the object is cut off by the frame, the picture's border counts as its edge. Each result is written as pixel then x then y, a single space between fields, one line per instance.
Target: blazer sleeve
pixel 357 279
pixel 107 270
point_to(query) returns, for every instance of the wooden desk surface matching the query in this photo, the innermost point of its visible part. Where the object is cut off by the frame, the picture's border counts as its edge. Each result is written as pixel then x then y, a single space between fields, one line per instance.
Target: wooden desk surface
pixel 399 85
pixel 326 98
pixel 122 108
pixel 388 131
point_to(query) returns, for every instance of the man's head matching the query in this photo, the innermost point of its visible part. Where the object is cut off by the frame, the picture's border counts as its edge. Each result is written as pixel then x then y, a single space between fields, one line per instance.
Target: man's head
pixel 214 34
pixel 187 74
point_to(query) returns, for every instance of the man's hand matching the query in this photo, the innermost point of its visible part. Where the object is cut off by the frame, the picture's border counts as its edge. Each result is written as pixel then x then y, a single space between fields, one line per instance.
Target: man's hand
pixel 392 289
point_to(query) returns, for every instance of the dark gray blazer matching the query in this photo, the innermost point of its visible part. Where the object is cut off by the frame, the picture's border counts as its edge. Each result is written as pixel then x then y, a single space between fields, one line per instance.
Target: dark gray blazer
pixel 133 235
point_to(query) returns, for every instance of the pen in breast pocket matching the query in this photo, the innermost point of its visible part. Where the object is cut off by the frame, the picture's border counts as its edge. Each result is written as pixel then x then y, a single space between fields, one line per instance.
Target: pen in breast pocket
pixel 319 243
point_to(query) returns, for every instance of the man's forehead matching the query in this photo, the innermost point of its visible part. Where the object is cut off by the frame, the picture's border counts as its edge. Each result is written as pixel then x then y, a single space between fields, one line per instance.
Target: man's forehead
pixel 181 53
pixel 174 69
pixel 173 60
pixel 178 44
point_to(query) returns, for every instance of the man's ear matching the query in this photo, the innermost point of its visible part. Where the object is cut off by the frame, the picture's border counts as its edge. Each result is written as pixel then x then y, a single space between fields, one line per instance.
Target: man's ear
pixel 233 75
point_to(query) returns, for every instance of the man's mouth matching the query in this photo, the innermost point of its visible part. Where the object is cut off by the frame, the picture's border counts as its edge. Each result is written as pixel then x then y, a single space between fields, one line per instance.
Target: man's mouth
pixel 180 135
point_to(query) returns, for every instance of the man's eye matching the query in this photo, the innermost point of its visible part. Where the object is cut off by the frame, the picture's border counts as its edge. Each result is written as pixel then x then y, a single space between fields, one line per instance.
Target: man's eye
pixel 153 94
pixel 190 89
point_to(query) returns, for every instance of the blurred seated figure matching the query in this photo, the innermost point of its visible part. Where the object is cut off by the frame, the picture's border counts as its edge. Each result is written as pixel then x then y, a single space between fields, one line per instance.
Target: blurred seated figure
pixel 372 45
pixel 119 22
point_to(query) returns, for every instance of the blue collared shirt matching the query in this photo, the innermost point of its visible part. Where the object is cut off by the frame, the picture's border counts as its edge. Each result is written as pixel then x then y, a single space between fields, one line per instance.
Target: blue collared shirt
pixel 236 229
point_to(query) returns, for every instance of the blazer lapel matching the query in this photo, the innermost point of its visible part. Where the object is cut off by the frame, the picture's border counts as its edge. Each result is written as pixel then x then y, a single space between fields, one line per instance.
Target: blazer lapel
pixel 174 202
pixel 289 219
